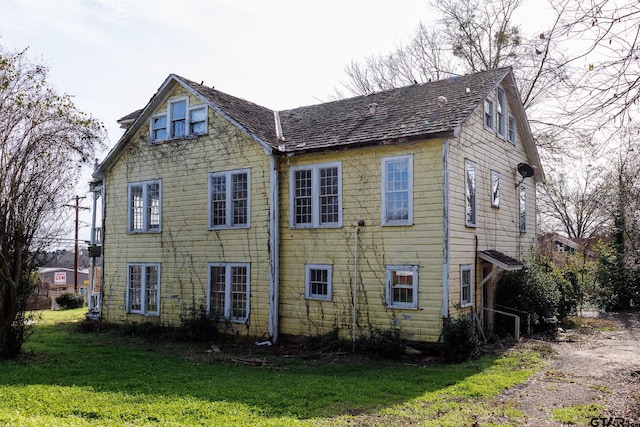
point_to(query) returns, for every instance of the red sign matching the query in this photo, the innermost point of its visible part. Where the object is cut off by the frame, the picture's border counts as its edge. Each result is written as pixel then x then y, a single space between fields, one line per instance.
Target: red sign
pixel 60 277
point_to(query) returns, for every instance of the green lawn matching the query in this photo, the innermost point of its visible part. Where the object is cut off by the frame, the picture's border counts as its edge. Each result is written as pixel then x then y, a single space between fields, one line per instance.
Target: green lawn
pixel 73 379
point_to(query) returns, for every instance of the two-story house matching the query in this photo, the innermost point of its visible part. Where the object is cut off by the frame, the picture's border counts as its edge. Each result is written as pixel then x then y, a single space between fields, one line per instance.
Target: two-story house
pixel 394 209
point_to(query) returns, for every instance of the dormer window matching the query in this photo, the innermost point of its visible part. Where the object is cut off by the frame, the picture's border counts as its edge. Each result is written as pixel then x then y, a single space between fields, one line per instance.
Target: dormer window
pixel 179 121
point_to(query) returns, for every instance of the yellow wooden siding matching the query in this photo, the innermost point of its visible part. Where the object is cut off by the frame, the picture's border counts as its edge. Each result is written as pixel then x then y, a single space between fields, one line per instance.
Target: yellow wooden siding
pixel 497 228
pixel 420 244
pixel 186 245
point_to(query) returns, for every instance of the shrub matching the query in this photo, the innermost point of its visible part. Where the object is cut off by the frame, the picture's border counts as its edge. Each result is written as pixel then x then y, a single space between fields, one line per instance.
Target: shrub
pixel 68 301
pixel 531 289
pixel 460 339
pixel 381 343
pixel 198 326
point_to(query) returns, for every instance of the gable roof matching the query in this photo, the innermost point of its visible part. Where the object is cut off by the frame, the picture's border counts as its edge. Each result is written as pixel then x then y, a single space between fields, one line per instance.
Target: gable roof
pixel 416 112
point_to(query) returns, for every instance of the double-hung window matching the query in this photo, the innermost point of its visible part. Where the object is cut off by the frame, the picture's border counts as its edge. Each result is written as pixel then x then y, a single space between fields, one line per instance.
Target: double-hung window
pixel 511 132
pixel 197 121
pixel 402 286
pixel 178 118
pixel 466 281
pixel 229 199
pixel 523 208
pixel 145 206
pixel 470 193
pixel 488 114
pixel 501 113
pixel 397 190
pixel 159 127
pixel 228 291
pixel 143 289
pixel 318 281
pixel 316 196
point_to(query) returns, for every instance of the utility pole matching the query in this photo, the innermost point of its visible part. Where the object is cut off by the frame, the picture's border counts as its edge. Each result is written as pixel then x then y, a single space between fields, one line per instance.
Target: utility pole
pixel 75 264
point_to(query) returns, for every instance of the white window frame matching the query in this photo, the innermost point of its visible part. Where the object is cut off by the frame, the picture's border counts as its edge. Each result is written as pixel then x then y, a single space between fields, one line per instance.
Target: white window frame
pixel 522 208
pixel 385 191
pixel 316 221
pixel 495 189
pixel 170 118
pixel 153 128
pixel 190 123
pixel 512 132
pixel 501 113
pixel 168 128
pixel 229 200
pixel 146 220
pixel 470 205
pixel 466 268
pixel 228 308
pixel 143 289
pixel 488 114
pixel 308 291
pixel 413 269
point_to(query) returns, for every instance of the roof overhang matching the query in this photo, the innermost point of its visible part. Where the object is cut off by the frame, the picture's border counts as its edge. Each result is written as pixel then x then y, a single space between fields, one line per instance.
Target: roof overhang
pixel 500 260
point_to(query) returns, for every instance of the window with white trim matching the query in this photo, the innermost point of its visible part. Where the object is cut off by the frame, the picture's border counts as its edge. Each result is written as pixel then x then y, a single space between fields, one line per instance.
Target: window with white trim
pixel 397 190
pixel 501 110
pixel 470 193
pixel 523 208
pixel 178 118
pixel 317 278
pixel 228 291
pixel 145 206
pixel 229 199
pixel 495 189
pixel 179 121
pixel 143 289
pixel 159 127
pixel 466 281
pixel 316 196
pixel 402 286
pixel 488 114
pixel 511 132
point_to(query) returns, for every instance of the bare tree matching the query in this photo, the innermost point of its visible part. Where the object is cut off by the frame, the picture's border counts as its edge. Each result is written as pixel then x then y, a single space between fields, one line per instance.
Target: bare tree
pixel 604 37
pixel 572 204
pixel 44 141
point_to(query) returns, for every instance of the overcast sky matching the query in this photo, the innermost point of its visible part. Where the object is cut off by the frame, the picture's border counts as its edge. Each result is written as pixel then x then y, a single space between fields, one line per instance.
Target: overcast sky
pixel 112 55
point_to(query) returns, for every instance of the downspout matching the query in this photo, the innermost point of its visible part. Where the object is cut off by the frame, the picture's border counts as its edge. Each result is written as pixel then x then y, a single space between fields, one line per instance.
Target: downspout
pixel 445 231
pixel 355 285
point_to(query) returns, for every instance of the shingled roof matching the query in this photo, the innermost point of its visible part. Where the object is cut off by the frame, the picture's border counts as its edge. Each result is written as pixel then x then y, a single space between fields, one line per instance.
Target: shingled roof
pixel 392 116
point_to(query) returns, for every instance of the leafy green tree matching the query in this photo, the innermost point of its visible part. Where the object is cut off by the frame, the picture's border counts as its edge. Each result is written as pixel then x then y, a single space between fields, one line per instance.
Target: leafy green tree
pixel 44 141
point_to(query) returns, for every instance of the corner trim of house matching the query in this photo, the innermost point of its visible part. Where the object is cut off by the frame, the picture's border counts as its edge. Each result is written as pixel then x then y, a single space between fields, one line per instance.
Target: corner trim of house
pixel 445 231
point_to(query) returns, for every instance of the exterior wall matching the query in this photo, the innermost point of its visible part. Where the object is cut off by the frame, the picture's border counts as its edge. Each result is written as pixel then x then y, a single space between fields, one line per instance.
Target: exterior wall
pixel 497 228
pixel 378 246
pixel 185 245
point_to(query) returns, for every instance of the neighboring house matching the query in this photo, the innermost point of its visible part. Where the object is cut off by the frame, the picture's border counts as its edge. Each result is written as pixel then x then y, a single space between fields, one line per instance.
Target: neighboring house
pixel 556 248
pixel 62 281
pixel 394 209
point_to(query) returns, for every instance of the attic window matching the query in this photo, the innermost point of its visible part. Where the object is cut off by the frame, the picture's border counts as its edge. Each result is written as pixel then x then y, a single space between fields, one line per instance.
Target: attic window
pixel 488 114
pixel 501 110
pixel 179 121
pixel 512 129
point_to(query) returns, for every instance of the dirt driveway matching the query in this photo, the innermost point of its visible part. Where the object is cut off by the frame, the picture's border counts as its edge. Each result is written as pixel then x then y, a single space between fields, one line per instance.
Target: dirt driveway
pixel 596 363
